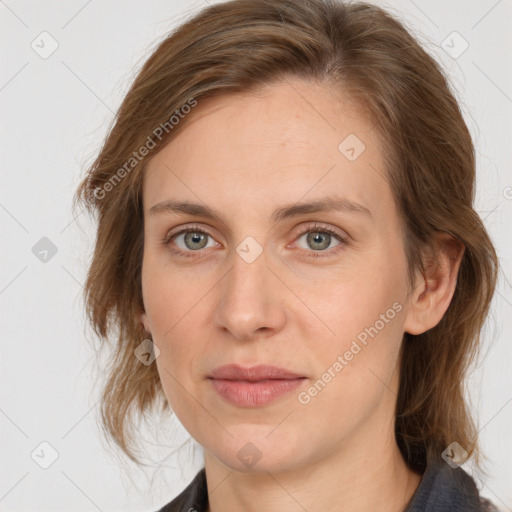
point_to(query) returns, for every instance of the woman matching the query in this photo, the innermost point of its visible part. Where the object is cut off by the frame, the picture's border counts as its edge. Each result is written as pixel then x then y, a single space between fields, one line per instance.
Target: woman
pixel 287 246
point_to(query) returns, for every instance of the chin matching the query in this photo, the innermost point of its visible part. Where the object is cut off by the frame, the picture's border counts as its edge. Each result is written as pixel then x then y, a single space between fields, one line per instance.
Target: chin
pixel 258 450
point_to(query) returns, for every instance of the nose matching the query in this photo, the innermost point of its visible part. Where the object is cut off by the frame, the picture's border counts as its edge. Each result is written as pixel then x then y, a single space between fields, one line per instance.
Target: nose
pixel 250 302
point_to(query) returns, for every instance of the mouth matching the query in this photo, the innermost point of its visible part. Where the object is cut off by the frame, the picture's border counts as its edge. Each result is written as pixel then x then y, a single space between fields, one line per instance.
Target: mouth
pixel 254 373
pixel 255 386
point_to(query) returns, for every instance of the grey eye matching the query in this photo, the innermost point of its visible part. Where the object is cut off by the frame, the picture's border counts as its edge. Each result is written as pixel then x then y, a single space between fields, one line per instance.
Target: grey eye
pixel 318 240
pixel 193 240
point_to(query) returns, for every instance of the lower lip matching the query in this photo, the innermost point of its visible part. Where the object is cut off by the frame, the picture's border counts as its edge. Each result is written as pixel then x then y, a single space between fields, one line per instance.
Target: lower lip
pixel 254 394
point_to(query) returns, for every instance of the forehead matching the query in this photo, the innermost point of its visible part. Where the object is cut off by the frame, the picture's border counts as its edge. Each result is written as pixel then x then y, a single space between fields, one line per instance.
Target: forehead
pixel 283 142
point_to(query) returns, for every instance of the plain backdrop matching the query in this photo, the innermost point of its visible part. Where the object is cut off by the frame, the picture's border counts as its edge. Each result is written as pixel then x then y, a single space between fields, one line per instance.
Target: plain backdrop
pixel 57 99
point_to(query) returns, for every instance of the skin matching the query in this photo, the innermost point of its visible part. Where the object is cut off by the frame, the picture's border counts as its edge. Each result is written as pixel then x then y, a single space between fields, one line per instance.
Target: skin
pixel 245 155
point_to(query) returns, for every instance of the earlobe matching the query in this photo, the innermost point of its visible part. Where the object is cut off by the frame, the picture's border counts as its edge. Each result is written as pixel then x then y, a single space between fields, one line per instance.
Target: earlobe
pixel 435 287
pixel 416 320
pixel 143 318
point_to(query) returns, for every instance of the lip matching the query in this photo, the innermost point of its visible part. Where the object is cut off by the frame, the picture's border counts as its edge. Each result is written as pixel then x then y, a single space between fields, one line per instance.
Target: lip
pixel 258 372
pixel 255 386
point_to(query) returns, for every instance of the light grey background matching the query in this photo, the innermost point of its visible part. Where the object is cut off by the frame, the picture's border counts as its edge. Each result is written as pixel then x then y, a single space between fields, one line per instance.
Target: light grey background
pixel 54 114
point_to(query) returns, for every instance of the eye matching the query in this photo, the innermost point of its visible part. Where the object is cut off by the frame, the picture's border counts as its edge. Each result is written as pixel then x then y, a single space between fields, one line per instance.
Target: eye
pixel 192 240
pixel 319 238
pixel 188 240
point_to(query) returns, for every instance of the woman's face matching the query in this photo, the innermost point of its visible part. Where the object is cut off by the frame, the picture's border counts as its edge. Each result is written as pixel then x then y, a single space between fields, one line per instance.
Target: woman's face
pixel 261 288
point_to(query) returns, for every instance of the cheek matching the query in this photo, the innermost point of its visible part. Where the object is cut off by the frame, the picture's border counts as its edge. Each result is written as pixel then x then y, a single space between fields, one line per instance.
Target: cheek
pixel 351 299
pixel 368 337
pixel 355 372
pixel 364 312
pixel 171 302
pixel 171 295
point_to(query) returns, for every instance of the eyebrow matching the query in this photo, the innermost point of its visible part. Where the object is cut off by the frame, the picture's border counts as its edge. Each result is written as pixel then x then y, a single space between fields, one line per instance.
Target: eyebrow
pixel 325 204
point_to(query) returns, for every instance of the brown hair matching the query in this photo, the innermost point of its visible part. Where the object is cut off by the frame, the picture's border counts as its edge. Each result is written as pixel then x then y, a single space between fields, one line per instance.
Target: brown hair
pixel 358 50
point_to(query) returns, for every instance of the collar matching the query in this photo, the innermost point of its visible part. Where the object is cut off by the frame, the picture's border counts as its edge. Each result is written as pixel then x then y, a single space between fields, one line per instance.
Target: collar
pixel 441 489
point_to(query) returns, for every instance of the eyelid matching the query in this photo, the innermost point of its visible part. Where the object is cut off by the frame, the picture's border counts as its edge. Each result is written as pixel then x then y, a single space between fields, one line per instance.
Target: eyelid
pixel 342 237
pixel 185 228
pixel 323 228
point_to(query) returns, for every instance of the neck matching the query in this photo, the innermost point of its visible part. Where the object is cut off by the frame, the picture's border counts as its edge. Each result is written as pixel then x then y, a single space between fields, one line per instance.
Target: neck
pixel 352 478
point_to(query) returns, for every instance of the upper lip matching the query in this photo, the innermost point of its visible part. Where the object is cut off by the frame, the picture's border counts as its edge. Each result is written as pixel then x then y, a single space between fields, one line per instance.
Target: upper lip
pixel 254 373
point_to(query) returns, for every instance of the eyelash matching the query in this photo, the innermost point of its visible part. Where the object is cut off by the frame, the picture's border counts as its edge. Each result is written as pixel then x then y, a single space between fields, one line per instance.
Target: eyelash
pixel 314 228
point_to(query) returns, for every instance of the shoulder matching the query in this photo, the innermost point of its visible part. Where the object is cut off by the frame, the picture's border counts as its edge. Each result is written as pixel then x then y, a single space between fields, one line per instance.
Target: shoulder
pixel 443 488
pixel 193 499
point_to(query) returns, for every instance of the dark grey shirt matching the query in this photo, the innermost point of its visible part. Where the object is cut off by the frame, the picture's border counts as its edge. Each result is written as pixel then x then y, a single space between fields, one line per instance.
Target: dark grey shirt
pixel 442 489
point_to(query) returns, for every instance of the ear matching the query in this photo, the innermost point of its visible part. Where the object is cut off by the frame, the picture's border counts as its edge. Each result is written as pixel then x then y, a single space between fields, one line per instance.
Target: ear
pixel 143 318
pixel 433 291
